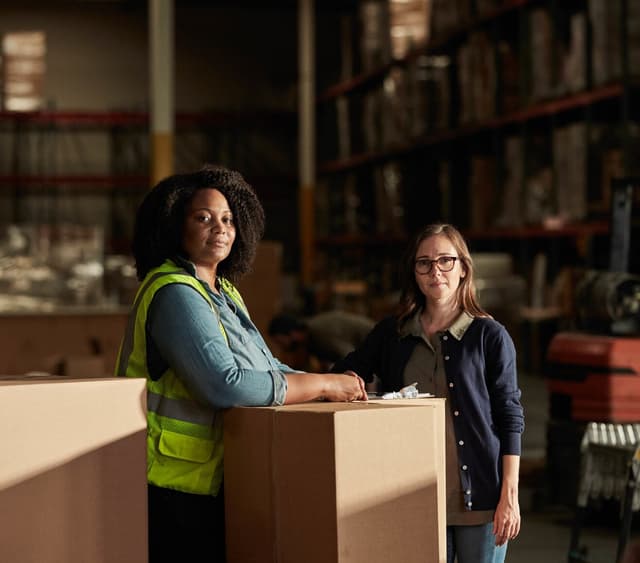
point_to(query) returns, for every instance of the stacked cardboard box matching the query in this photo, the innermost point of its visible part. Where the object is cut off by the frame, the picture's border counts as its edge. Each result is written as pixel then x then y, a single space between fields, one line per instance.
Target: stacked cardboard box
pixel 261 289
pixel 336 482
pixel 541 51
pixel 570 159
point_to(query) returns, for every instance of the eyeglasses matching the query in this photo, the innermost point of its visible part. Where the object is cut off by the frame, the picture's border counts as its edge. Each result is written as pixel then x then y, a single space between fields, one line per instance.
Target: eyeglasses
pixel 444 263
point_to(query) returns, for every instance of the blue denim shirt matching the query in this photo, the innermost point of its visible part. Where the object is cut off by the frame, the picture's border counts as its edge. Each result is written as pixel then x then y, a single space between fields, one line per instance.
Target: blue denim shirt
pixel 183 332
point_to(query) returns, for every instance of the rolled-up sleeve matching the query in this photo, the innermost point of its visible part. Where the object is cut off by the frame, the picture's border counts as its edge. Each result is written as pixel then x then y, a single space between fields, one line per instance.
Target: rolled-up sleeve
pixel 184 330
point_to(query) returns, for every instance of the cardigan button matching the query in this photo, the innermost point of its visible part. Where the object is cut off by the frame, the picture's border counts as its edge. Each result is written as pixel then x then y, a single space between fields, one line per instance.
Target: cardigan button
pixel 450 383
pixel 456 413
pixel 461 443
pixel 445 337
pixel 446 357
pixel 464 468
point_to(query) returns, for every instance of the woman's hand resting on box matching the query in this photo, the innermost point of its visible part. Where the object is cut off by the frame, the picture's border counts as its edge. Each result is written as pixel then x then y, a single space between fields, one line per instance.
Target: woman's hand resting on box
pixel 327 386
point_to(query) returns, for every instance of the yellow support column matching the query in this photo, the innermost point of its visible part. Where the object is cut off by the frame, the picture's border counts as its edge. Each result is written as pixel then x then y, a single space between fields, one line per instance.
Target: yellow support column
pixel 162 156
pixel 161 119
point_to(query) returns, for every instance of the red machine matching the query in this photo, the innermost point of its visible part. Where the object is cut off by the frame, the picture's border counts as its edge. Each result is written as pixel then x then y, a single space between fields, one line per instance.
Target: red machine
pixel 593 377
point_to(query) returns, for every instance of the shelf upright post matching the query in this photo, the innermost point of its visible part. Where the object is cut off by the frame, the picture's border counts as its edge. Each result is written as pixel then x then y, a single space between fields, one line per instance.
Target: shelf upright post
pixel 306 138
pixel 586 242
pixel 497 147
pixel 161 53
pixel 626 88
pixel 524 23
pixel 16 167
pixel 555 124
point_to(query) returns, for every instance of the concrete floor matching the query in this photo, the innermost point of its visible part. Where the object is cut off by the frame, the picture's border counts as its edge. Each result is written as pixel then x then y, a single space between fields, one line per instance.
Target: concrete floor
pixel 546 529
pixel 545 538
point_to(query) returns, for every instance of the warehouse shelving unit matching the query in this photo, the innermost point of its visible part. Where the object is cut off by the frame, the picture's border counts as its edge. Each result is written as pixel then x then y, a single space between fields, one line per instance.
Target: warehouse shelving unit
pixel 455 165
pixel 55 159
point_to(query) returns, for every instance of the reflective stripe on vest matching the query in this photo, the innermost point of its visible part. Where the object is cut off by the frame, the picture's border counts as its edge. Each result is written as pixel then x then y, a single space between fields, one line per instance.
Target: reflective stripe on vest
pixel 179 409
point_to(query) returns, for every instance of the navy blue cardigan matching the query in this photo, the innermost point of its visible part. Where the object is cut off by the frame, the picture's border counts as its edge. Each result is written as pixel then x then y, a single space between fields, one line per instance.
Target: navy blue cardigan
pixel 484 398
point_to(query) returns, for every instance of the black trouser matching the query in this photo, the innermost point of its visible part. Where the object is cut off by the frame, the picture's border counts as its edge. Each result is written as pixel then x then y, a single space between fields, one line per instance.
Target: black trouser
pixel 184 527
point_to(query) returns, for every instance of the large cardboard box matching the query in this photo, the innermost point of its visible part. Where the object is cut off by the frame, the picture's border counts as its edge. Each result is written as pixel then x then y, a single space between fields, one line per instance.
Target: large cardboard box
pixel 336 482
pixel 261 288
pixel 73 485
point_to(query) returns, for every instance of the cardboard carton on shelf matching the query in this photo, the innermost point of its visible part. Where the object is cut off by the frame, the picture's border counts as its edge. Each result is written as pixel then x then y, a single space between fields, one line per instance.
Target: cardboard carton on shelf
pixel 336 482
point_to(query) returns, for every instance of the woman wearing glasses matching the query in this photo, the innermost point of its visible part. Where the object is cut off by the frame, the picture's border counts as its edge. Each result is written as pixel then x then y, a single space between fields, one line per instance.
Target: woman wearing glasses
pixel 441 338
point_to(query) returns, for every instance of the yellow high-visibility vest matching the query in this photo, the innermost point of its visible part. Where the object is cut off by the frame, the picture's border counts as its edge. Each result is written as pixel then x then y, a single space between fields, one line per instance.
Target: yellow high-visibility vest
pixel 184 437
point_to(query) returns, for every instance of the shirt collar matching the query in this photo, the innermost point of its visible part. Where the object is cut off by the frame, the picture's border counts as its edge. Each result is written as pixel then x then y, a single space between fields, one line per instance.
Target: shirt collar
pixel 189 266
pixel 412 326
pixel 460 325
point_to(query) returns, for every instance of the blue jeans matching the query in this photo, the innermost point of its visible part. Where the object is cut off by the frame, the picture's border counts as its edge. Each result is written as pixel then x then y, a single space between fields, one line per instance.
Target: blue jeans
pixel 474 544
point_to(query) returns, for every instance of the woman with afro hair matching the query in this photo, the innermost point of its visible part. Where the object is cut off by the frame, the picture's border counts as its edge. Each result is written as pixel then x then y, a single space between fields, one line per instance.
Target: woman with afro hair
pixel 190 335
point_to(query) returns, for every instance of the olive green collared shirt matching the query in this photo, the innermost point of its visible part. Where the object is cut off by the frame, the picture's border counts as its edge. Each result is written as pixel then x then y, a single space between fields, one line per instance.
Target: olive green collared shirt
pixel 426 367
